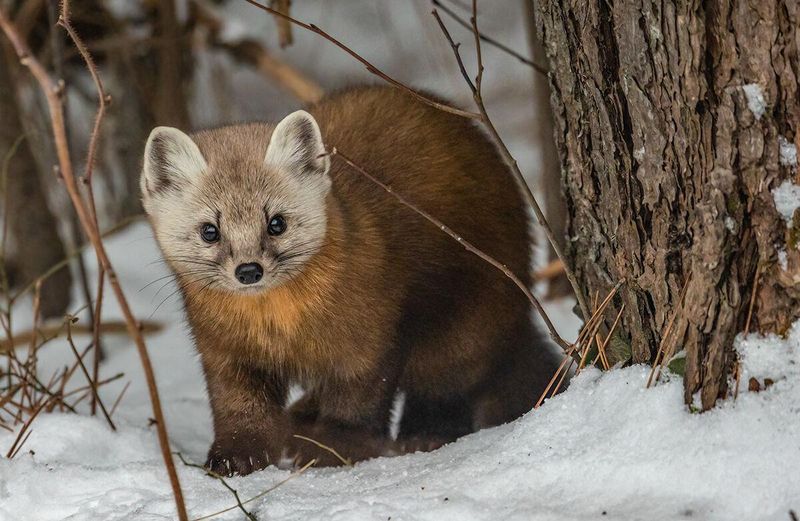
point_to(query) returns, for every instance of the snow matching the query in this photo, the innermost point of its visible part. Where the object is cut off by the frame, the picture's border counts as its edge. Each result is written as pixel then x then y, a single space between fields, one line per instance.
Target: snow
pixel 755 99
pixel 787 200
pixel 771 356
pixel 788 152
pixel 783 259
pixel 606 445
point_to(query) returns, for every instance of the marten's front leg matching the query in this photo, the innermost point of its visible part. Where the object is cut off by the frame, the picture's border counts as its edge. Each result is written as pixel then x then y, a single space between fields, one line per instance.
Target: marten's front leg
pixel 250 426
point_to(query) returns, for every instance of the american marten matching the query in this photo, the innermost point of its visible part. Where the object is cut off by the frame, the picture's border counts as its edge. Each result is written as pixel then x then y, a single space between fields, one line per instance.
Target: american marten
pixel 296 270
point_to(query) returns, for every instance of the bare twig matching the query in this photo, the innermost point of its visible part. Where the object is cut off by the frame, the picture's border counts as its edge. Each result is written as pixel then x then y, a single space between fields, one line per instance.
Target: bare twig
pixel 756 278
pixel 52 94
pixel 574 354
pixel 562 367
pixel 291 476
pixel 655 371
pixel 602 348
pixel 589 333
pixel 345 461
pixel 96 326
pixel 211 473
pixel 503 149
pixel 370 67
pixel 119 398
pixel 17 442
pixel 52 331
pixel 491 41
pixel 21 443
pixel 103 100
pixel 465 243
pixel 31 363
pixel 92 384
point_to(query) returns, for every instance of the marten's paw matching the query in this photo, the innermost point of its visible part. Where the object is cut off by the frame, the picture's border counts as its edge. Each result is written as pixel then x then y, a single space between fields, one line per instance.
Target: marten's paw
pixel 237 456
pixel 411 444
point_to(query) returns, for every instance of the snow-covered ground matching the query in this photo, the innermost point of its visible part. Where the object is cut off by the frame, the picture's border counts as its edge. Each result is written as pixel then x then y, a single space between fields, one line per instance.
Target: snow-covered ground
pixel 607 448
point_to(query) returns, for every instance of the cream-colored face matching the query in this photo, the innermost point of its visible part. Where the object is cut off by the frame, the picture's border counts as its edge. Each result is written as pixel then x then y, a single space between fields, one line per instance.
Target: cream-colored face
pixel 235 219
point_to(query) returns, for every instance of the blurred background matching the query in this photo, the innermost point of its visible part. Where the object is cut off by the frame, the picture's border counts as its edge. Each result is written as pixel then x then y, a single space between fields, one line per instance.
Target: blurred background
pixel 199 63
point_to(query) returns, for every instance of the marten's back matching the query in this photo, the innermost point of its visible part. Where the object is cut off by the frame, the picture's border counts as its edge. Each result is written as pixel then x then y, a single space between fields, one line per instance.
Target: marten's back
pixel 440 162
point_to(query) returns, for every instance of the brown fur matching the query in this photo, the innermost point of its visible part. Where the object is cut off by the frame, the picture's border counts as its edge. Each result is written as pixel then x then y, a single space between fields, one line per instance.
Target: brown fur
pixel 389 302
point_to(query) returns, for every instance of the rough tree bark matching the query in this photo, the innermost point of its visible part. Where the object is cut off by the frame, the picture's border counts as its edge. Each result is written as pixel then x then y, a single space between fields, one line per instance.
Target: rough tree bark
pixel 669 164
pixel 36 245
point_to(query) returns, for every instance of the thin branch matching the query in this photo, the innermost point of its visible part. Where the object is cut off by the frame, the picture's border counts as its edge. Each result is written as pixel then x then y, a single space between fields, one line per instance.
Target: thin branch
pixel 211 473
pixel 96 325
pixel 491 41
pixel 754 293
pixel 19 447
pixel 69 321
pixel 103 101
pixel 455 46
pixel 291 476
pixel 52 94
pixel 370 67
pixel 465 243
pixel 479 55
pixel 37 303
pixel 119 398
pixel 506 154
pixel 562 367
pixel 52 331
pixel 19 439
pixel 658 362
pixel 601 350
pixel 334 452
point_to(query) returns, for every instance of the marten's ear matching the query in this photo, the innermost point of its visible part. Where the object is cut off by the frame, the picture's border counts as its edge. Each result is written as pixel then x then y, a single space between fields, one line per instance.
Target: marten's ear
pixel 296 144
pixel 171 158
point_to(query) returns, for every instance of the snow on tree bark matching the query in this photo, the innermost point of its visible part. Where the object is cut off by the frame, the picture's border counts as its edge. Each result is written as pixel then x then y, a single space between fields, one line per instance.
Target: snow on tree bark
pixel 668 164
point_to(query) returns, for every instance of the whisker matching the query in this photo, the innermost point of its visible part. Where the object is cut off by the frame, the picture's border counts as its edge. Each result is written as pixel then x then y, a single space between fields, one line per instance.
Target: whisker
pixel 171 275
pixel 184 285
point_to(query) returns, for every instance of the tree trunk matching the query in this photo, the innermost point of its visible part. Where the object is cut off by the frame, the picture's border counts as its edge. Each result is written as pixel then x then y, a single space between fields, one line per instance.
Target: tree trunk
pixel 127 125
pixel 35 242
pixel 171 93
pixel 670 118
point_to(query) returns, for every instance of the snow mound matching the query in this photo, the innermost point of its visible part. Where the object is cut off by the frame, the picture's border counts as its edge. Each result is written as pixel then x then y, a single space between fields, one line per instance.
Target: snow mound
pixel 607 448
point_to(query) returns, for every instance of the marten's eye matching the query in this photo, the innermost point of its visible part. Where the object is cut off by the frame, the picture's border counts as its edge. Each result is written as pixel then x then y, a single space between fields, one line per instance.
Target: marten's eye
pixel 276 225
pixel 209 233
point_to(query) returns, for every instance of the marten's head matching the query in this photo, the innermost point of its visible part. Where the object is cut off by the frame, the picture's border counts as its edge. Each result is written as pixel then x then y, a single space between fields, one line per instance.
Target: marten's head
pixel 236 209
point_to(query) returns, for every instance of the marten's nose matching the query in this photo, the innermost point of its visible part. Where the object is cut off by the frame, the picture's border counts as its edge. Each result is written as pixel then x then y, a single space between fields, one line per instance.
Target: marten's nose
pixel 249 273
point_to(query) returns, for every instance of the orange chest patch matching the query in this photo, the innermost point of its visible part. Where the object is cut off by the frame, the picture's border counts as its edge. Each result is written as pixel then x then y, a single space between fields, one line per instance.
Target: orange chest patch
pixel 258 318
